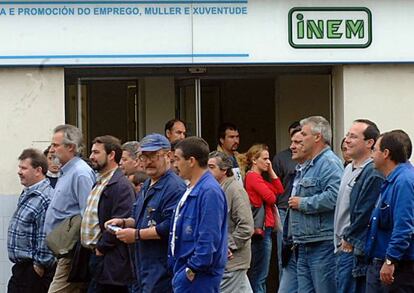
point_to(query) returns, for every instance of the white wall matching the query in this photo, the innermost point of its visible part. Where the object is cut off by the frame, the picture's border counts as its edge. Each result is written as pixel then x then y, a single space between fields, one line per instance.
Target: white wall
pixel 160 102
pixel 31 105
pixel 381 93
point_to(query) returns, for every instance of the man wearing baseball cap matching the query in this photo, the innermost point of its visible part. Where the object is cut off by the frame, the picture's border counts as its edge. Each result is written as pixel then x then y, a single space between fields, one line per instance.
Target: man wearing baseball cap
pixel 149 224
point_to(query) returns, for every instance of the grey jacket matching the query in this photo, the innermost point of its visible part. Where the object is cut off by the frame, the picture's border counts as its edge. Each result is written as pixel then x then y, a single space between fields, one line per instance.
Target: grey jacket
pixel 240 224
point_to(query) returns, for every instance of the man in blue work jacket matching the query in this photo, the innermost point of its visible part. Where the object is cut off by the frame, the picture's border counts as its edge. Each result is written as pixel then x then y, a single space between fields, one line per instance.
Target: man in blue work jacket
pixel 390 242
pixel 149 225
pixel 198 240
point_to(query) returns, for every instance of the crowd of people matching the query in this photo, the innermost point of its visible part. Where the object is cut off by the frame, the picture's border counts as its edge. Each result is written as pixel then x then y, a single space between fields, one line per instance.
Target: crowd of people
pixel 167 214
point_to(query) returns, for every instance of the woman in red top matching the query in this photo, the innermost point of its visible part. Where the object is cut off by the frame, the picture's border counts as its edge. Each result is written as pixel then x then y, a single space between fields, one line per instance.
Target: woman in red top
pixel 261 193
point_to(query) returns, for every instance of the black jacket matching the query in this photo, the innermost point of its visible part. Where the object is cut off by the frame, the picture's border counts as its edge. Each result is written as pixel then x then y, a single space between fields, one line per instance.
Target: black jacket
pixel 115 202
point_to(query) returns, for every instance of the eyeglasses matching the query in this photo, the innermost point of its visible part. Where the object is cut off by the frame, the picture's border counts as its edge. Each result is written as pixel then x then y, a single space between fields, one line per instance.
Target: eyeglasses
pixel 151 156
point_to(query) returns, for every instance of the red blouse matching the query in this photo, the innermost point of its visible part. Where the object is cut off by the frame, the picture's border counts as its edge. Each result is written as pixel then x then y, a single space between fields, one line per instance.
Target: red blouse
pixel 262 192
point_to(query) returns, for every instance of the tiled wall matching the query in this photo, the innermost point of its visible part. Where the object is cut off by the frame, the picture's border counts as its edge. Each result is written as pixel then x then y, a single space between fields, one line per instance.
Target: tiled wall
pixel 7 207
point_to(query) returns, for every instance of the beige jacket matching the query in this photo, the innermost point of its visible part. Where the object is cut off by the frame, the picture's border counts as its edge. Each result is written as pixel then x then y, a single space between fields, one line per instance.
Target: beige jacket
pixel 240 224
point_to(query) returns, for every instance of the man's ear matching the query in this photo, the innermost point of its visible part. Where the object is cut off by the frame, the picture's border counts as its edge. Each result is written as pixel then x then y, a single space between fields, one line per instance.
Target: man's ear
pixel 318 137
pixel 221 141
pixel 71 147
pixel 111 155
pixel 192 161
pixel 170 155
pixel 168 133
pixel 370 143
pixel 39 171
pixel 386 153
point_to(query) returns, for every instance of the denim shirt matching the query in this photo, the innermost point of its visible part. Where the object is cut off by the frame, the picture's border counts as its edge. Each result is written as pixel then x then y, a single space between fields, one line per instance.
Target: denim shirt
pixel 318 187
pixel 391 229
pixel 71 192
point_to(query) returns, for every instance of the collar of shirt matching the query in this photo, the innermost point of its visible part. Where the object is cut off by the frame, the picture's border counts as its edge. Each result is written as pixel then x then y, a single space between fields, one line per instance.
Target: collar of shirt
pixel 312 161
pixel 157 185
pixel 299 167
pixel 65 168
pixel 397 171
pixel 105 176
pixel 196 187
pixel 30 189
pixel 366 162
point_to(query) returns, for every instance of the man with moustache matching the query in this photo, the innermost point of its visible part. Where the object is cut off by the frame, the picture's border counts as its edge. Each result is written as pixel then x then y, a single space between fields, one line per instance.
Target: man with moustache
pixel 312 207
pixel 111 197
pixel 149 225
pixel 228 142
pixel 358 192
pixel 33 261
pixel 70 194
pixel 390 240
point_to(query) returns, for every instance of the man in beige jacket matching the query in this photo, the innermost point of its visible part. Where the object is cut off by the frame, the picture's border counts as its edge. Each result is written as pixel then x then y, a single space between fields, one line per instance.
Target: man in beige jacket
pixel 240 225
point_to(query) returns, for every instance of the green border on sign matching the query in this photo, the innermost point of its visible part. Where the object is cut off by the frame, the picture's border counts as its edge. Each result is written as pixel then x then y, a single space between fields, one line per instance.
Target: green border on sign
pixel 333 46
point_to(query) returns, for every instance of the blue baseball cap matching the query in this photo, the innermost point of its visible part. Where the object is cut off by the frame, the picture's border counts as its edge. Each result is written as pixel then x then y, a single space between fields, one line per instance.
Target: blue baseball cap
pixel 154 142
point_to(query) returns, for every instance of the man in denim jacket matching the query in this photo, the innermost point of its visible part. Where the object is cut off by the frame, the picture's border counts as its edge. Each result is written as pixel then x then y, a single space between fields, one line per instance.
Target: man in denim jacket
pixel 358 192
pixel 316 189
pixel 390 242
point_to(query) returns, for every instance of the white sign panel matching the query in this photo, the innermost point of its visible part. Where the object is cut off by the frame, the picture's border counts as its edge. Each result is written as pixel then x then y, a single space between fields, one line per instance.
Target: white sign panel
pixel 204 32
pixel 330 27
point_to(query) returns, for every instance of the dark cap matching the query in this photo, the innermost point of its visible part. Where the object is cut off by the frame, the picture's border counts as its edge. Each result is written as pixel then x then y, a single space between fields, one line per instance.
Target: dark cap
pixel 154 142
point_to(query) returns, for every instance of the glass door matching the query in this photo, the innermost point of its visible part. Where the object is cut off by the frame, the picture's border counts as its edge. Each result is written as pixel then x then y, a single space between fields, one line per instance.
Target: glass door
pixel 104 106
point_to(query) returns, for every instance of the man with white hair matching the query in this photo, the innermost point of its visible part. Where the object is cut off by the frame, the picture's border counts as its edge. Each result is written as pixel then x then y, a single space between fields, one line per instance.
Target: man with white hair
pixel 70 194
pixel 312 207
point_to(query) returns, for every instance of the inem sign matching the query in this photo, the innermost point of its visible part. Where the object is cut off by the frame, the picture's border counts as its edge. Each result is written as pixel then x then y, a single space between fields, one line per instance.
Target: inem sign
pixel 323 27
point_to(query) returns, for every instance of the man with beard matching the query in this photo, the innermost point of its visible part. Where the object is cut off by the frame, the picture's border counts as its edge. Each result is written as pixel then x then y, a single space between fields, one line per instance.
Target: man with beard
pixel 228 142
pixel 111 197
pixel 70 194
pixel 149 224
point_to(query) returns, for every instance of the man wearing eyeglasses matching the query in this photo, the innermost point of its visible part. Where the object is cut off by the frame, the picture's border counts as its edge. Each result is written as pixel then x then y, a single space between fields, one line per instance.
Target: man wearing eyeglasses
pixel 149 224
pixel 358 192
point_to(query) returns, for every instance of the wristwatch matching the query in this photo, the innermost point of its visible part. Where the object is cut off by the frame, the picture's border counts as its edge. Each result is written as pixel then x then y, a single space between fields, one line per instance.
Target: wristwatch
pixel 389 262
pixel 190 274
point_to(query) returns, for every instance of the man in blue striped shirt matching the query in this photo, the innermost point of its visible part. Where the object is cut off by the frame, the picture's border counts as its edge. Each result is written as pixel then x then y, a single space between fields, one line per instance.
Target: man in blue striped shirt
pixel 33 261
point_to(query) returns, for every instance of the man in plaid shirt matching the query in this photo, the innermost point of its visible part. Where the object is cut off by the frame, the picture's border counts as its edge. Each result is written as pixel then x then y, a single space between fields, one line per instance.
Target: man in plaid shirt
pixel 33 261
